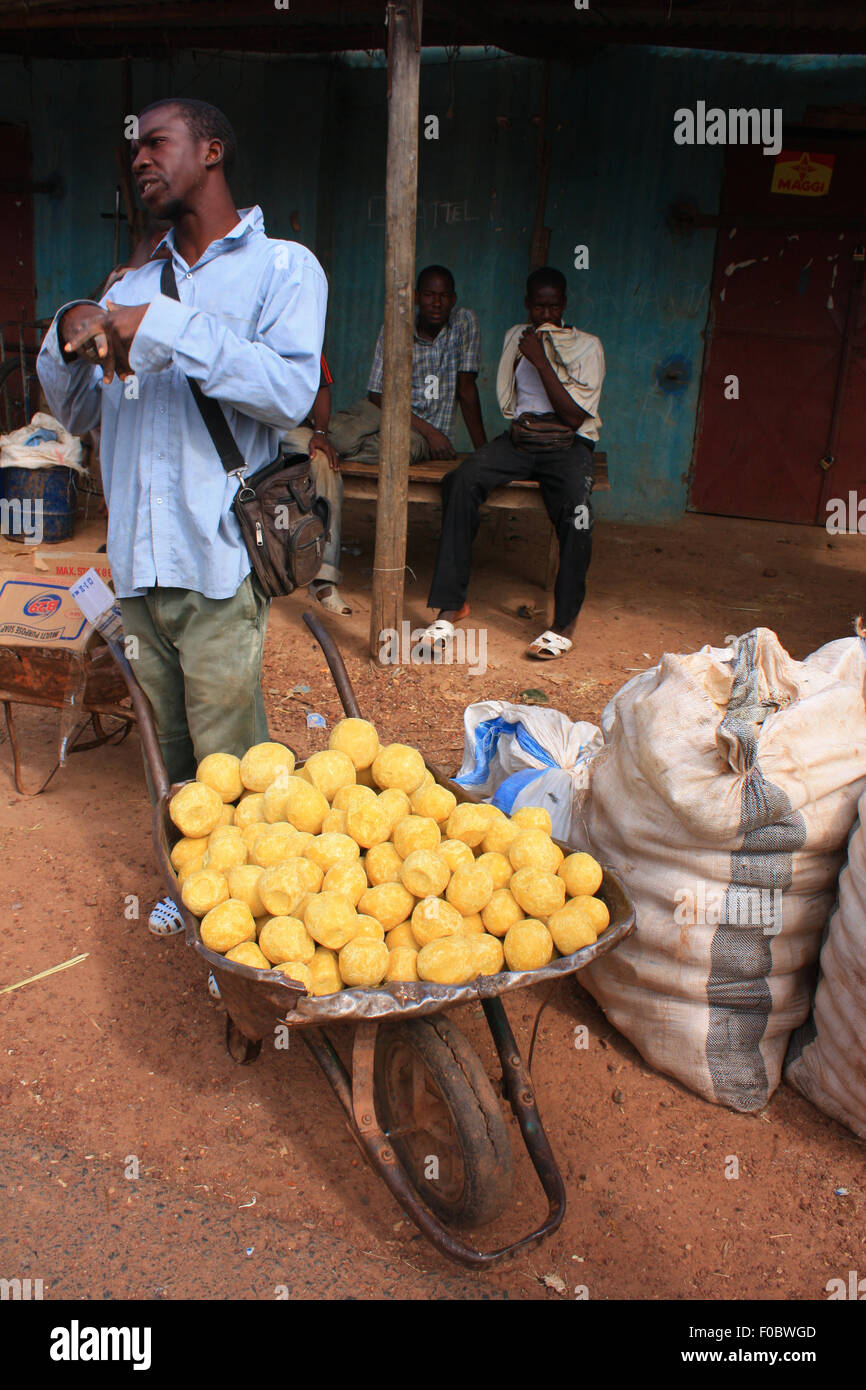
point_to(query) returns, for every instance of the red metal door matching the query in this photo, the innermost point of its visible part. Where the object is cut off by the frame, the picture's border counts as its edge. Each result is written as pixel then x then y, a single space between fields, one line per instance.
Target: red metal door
pixel 783 376
pixel 17 274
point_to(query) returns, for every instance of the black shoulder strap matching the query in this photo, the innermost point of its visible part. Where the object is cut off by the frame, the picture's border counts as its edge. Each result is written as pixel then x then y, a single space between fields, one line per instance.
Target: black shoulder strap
pixel 211 411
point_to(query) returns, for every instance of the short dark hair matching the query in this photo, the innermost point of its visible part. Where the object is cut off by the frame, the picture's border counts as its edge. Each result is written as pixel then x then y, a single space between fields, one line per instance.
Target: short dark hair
pixel 435 270
pixel 204 122
pixel 546 277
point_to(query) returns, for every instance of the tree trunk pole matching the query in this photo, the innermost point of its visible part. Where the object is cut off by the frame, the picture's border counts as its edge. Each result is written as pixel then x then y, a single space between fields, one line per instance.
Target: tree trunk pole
pixel 401 200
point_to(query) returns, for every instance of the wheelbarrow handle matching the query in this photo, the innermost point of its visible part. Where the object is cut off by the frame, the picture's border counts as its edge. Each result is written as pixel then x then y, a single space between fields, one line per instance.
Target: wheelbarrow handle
pixel 144 716
pixel 335 664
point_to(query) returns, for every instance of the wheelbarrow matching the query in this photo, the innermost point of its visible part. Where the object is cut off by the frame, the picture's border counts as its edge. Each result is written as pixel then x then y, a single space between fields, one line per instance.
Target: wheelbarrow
pixel 419 1102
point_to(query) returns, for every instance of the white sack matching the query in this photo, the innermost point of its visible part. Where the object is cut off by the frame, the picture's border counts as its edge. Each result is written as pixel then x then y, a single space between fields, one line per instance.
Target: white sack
pixel 724 796
pixel 64 452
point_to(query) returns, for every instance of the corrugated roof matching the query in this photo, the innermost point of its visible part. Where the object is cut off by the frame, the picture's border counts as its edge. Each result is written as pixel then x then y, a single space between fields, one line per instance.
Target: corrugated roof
pixel 542 28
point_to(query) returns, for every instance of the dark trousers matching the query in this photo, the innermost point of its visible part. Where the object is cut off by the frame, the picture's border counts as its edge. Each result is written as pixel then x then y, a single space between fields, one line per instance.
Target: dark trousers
pixel 565 480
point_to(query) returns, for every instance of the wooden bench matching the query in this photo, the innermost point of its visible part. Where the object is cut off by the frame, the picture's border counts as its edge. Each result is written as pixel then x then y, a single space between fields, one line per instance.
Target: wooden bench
pixel 361 481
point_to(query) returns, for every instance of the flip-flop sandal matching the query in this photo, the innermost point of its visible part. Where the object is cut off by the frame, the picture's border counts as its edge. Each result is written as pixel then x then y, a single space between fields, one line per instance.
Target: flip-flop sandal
pixel 165 920
pixel 330 600
pixel 438 636
pixel 549 646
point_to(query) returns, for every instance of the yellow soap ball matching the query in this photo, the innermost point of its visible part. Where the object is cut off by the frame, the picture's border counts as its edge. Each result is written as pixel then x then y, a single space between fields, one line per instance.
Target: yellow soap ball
pixel 468 823
pixel 358 739
pixel 470 889
pixel 349 879
pixel 472 922
pixel 383 864
pixel 538 892
pixel 275 845
pixel 192 867
pixel 243 885
pixel 252 833
pixel 595 910
pixel 528 945
pixel 455 853
pixel 401 935
pixel 301 909
pixel 488 956
pixel 395 804
pixel 305 806
pixel 501 912
pixel 581 874
pixel 250 810
pixel 402 964
pixel 226 854
pixel 356 794
pixel 203 890
pixel 500 837
pixel 365 778
pixel 434 918
pixel 368 926
pixel 389 903
pixel 334 823
pixel 227 817
pixel 449 960
pixel 325 972
pixel 424 873
pixel 533 849
pixel 331 848
pixel 298 973
pixel 225 832
pixel 312 875
pixel 413 833
pixel 498 866
pixel 186 850
pixel 331 920
pixel 363 961
pixel 532 818
pixel 282 887
pixel 227 925
pixel 400 766
pixel 368 823
pixel 263 763
pixel 222 772
pixel 570 930
pixel 195 810
pixel 274 799
pixel 329 771
pixel 434 801
pixel 286 938
pixel 248 953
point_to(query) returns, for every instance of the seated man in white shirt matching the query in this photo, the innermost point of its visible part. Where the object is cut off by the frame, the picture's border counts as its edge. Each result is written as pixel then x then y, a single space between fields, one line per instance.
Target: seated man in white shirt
pixel 548 384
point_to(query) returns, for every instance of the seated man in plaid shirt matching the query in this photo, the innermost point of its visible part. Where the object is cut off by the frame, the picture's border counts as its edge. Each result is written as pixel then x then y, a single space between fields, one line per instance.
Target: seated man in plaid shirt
pixel 445 360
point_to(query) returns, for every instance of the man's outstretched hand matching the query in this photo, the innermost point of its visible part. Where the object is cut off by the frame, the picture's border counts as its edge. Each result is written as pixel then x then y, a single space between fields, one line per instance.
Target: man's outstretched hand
pixel 102 336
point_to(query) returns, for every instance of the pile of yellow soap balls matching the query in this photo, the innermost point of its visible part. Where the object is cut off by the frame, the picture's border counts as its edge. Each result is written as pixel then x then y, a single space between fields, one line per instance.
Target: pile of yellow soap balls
pixel 359 869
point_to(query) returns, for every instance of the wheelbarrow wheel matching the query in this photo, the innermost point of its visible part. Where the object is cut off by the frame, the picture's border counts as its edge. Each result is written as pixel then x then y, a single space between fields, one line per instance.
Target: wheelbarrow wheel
pixel 442 1116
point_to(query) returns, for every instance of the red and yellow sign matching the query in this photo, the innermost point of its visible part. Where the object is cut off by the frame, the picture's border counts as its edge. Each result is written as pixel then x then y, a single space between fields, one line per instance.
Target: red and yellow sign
pixel 805 175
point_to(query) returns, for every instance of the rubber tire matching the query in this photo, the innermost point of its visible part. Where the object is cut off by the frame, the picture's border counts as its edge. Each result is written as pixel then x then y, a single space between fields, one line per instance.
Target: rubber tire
pixel 482 1135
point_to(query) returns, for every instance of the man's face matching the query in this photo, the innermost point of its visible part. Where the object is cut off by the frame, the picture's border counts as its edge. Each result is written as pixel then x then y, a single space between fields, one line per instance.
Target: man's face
pixel 545 305
pixel 435 299
pixel 168 163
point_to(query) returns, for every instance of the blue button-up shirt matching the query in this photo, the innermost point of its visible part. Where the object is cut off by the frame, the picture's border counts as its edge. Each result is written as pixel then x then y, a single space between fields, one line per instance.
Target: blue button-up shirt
pixel 249 329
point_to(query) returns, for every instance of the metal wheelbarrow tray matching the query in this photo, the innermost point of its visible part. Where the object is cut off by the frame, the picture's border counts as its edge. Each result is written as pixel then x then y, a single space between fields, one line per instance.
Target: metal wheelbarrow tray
pixel 397 1035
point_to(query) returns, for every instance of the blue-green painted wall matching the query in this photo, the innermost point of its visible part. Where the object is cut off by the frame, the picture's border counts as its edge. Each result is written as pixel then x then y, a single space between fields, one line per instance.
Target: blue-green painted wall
pixel 312 134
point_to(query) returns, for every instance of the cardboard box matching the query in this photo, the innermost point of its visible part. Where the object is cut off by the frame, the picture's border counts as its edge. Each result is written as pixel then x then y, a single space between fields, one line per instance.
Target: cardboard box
pixel 38 611
pixel 71 564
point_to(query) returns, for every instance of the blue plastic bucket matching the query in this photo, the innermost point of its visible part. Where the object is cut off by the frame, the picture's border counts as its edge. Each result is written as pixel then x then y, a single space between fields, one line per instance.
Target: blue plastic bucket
pixel 46 501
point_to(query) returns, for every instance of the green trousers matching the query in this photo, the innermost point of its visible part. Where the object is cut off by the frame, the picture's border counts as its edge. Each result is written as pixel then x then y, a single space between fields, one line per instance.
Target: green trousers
pixel 199 662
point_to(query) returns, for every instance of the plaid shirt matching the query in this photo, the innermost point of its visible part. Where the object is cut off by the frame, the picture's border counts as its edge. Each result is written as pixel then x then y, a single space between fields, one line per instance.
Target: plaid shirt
pixel 456 348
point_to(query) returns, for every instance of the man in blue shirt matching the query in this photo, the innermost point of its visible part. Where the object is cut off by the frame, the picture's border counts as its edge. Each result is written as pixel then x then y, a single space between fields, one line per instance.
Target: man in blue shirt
pixel 248 328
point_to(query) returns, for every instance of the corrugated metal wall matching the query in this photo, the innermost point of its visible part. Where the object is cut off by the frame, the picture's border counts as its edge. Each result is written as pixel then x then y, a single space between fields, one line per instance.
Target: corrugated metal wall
pixel 313 141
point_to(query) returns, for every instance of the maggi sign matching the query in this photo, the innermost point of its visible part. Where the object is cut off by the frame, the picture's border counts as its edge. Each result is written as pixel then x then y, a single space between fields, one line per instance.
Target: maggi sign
pixel 805 175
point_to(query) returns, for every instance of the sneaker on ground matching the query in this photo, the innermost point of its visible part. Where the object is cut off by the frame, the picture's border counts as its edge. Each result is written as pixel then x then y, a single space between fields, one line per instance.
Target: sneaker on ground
pixel 165 919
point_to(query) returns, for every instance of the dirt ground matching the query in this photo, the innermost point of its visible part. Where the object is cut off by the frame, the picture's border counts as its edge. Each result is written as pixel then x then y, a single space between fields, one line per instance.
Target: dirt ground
pixel 248 1180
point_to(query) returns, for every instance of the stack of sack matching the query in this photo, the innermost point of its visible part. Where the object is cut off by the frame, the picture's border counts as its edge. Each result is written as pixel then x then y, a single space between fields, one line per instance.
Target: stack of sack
pixel 724 796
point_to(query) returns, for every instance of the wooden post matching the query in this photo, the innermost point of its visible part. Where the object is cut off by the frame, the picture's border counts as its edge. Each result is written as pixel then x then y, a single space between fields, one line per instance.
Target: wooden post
pixel 401 200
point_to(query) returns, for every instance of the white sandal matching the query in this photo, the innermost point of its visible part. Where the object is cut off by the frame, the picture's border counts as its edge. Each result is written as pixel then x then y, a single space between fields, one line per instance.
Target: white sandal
pixel 165 919
pixel 439 635
pixel 549 646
